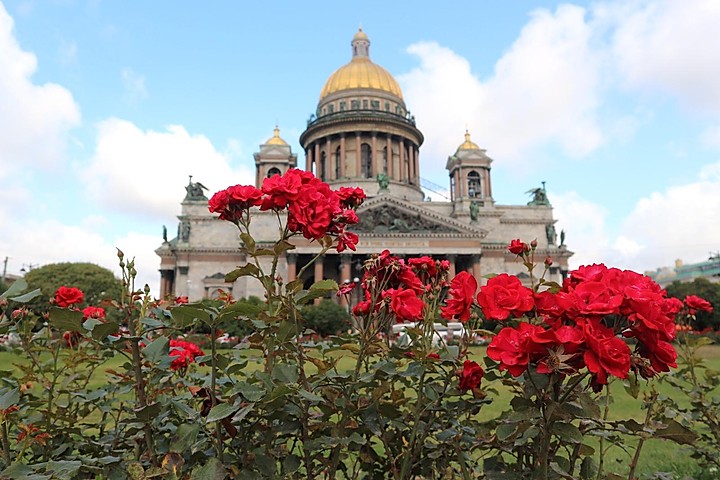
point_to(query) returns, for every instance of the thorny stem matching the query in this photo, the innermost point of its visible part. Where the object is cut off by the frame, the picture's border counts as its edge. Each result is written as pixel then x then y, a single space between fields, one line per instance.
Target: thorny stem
pixel 606 412
pixel 5 443
pixel 641 442
pixel 213 384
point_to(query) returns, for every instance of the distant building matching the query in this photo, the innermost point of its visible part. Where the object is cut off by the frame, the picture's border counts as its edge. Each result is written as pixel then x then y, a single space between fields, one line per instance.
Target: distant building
pixel 362 135
pixel 709 269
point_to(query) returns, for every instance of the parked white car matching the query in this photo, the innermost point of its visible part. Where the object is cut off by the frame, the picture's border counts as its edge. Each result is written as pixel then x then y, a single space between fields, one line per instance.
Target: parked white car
pixel 443 333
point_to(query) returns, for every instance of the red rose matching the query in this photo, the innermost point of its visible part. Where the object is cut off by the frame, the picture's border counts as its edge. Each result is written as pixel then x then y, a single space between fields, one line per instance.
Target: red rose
pixel 347 240
pixel 510 347
pixel 181 300
pixel 470 376
pixel 606 354
pixel 184 353
pixel 405 304
pixel 244 196
pixel 462 295
pixel 696 303
pixel 72 339
pixel 66 296
pixel 93 312
pixel 518 247
pixel 281 190
pixel 424 265
pixel 503 296
pixel 351 197
pixel 433 356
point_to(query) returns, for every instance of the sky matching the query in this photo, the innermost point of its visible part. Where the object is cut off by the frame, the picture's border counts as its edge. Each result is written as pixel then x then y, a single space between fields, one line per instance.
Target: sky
pixel 107 107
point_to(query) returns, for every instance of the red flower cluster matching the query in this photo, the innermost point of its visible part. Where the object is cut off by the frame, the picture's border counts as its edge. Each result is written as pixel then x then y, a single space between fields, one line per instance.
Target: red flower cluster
pixel 694 303
pixel 184 353
pixel 66 296
pixel 93 312
pixel 313 208
pixel 582 325
pixel 402 285
pixel 462 293
pixel 504 295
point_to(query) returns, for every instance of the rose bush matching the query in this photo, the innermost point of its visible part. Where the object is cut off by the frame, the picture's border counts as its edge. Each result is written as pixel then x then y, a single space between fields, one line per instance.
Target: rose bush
pixel 356 405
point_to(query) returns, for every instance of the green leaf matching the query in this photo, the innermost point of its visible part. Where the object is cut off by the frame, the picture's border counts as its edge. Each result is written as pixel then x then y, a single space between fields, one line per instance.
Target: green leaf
pixel 505 431
pixel 325 285
pixel 677 433
pixel 248 242
pixel 19 471
pixel 248 270
pixel 588 468
pixel 66 320
pixel 148 412
pixel 186 315
pixel 252 393
pixel 285 373
pixel 243 412
pixel 63 469
pixel 212 470
pixel 184 437
pixel 218 412
pixel 567 432
pixel 102 330
pixel 18 286
pixel 239 309
pixel 310 396
pixel 157 349
pixel 27 296
pixel 9 398
pixel 291 463
pixel 283 246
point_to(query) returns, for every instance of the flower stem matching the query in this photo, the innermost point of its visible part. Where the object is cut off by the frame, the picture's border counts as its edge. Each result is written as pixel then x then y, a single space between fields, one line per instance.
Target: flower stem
pixel 641 442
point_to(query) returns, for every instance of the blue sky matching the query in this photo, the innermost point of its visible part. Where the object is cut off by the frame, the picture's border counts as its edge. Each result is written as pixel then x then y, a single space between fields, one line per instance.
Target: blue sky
pixel 106 107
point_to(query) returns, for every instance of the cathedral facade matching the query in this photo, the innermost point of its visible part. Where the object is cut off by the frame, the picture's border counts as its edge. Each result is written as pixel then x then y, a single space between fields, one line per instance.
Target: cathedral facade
pixel 362 135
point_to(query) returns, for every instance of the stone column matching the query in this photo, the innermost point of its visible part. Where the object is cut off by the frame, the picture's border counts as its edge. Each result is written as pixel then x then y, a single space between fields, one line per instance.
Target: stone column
pixel 329 170
pixel 489 184
pixel 319 272
pixel 358 159
pixel 343 174
pixel 476 272
pixel 307 159
pixel 452 258
pixel 291 267
pixel 345 273
pixel 416 165
pixel 375 157
pixel 316 158
pixel 389 157
pixel 402 160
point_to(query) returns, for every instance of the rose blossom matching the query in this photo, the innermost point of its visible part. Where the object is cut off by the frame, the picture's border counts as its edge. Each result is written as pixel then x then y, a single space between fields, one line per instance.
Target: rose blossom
pixel 606 354
pixel 518 247
pixel 66 296
pixel 405 304
pixel 696 303
pixel 504 295
pixel 184 353
pixel 510 347
pixel 93 312
pixel 470 376
pixel 462 295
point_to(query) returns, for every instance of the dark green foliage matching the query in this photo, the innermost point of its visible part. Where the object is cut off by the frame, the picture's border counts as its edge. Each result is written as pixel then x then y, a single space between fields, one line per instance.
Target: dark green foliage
pixel 96 282
pixel 236 327
pixel 702 288
pixel 328 318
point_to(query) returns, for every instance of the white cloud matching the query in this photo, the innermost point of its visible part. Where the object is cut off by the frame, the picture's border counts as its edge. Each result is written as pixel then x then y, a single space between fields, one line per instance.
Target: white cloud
pixel 710 137
pixel 679 222
pixel 668 46
pixel 145 172
pixel 34 119
pixel 134 85
pixel 544 89
pixel 584 223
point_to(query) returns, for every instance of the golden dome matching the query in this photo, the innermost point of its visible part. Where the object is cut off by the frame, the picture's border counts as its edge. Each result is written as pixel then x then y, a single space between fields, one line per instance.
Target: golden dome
pixel 467 144
pixel 361 73
pixel 276 140
pixel 360 35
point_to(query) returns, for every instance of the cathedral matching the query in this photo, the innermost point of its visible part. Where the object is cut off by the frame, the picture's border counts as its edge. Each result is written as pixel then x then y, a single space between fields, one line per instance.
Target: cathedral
pixel 362 135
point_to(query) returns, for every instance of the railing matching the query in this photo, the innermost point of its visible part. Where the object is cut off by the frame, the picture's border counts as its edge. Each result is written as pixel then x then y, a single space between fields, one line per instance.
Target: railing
pixel 407 118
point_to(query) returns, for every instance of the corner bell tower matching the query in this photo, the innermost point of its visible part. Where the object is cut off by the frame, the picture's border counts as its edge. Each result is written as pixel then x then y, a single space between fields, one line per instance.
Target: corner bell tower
pixel 275 157
pixel 470 183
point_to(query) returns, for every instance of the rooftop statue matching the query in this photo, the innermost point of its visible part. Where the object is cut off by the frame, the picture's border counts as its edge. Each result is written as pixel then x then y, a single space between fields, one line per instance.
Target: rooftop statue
pixel 195 190
pixel 539 196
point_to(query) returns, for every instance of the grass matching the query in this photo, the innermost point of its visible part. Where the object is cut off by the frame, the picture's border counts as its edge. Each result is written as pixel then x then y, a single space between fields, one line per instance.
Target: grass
pixel 657 455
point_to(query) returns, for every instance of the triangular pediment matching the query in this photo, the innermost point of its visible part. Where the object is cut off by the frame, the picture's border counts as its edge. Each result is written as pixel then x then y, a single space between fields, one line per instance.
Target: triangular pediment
pixel 386 215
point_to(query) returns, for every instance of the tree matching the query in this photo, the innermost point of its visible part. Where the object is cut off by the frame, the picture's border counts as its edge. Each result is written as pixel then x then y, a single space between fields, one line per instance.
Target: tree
pixel 96 282
pixel 702 288
pixel 328 318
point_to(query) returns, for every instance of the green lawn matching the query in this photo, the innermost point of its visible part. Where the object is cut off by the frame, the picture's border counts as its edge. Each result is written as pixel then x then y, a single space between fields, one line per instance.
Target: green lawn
pixel 658 455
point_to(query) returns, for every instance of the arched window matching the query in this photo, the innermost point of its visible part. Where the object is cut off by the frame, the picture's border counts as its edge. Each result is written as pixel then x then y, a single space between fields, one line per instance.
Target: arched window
pixel 474 185
pixel 366 160
pixel 337 163
pixel 323 166
pixel 273 171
